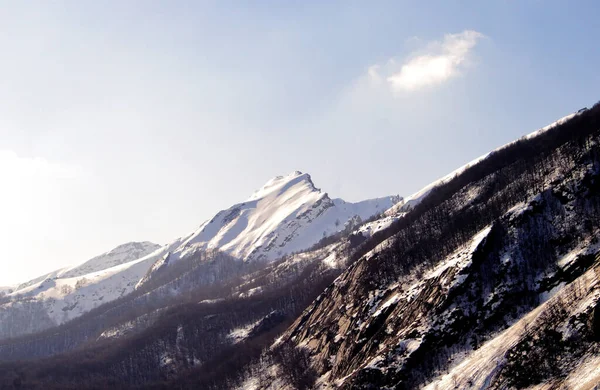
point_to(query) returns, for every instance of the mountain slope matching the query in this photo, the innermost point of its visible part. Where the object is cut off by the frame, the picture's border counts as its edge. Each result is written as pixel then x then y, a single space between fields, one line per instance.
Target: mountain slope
pixel 492 276
pixel 288 214
pixel 67 293
pixel 119 255
pixel 417 197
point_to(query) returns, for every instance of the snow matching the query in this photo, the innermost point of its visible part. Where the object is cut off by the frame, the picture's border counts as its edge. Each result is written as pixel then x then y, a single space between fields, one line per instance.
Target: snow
pixel 478 369
pixel 250 384
pixel 583 248
pixel 551 125
pixel 392 301
pixel 122 329
pixel 333 259
pixel 6 289
pixel 241 333
pixel 277 341
pixel 120 255
pixel 374 362
pixel 370 228
pixel 412 345
pixel 166 359
pixel 461 258
pixel 518 209
pixel 586 376
pixel 416 198
pixel 211 301
pixel 264 375
pixel 544 296
pixel 67 293
pixel 251 291
pixel 288 214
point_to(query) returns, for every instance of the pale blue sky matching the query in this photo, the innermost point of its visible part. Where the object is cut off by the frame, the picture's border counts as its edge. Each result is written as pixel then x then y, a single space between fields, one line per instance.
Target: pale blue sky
pixel 124 121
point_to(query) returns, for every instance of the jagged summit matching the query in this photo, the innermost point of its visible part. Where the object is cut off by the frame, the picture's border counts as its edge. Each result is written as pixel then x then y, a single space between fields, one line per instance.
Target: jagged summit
pixel 282 183
pixel 289 213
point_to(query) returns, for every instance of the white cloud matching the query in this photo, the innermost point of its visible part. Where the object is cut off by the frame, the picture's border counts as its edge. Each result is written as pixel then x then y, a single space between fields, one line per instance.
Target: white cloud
pixel 373 73
pixel 437 63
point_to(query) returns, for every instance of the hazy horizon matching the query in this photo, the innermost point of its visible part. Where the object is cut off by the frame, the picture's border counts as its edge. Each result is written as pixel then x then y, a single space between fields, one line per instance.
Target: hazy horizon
pixel 137 121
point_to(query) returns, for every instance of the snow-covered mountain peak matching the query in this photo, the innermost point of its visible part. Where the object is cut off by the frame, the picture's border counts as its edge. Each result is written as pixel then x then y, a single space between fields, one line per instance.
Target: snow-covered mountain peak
pixel 286 215
pixel 280 184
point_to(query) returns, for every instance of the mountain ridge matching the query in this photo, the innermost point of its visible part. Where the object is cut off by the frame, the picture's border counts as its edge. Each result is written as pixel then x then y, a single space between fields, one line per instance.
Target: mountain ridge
pixel 272 221
pixel 285 215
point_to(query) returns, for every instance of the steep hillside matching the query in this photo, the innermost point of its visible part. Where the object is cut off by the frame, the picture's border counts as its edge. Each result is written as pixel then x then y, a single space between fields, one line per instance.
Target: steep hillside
pixel 491 281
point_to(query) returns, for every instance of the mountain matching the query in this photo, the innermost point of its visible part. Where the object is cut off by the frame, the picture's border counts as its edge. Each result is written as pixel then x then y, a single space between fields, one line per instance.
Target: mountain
pixel 62 295
pixel 119 255
pixel 417 197
pixel 488 278
pixel 5 290
pixel 286 215
pixel 122 254
pixel 492 280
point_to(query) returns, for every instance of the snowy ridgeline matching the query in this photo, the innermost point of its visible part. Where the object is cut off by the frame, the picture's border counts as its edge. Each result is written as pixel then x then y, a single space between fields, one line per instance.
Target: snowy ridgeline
pixel 417 197
pixel 67 293
pixel 286 215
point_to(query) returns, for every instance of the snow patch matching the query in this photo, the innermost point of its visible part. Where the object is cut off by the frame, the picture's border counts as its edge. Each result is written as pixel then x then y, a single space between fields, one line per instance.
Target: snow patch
pixel 241 333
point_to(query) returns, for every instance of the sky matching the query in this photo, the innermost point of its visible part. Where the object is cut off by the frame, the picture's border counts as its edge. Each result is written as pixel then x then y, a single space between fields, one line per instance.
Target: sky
pixel 137 120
